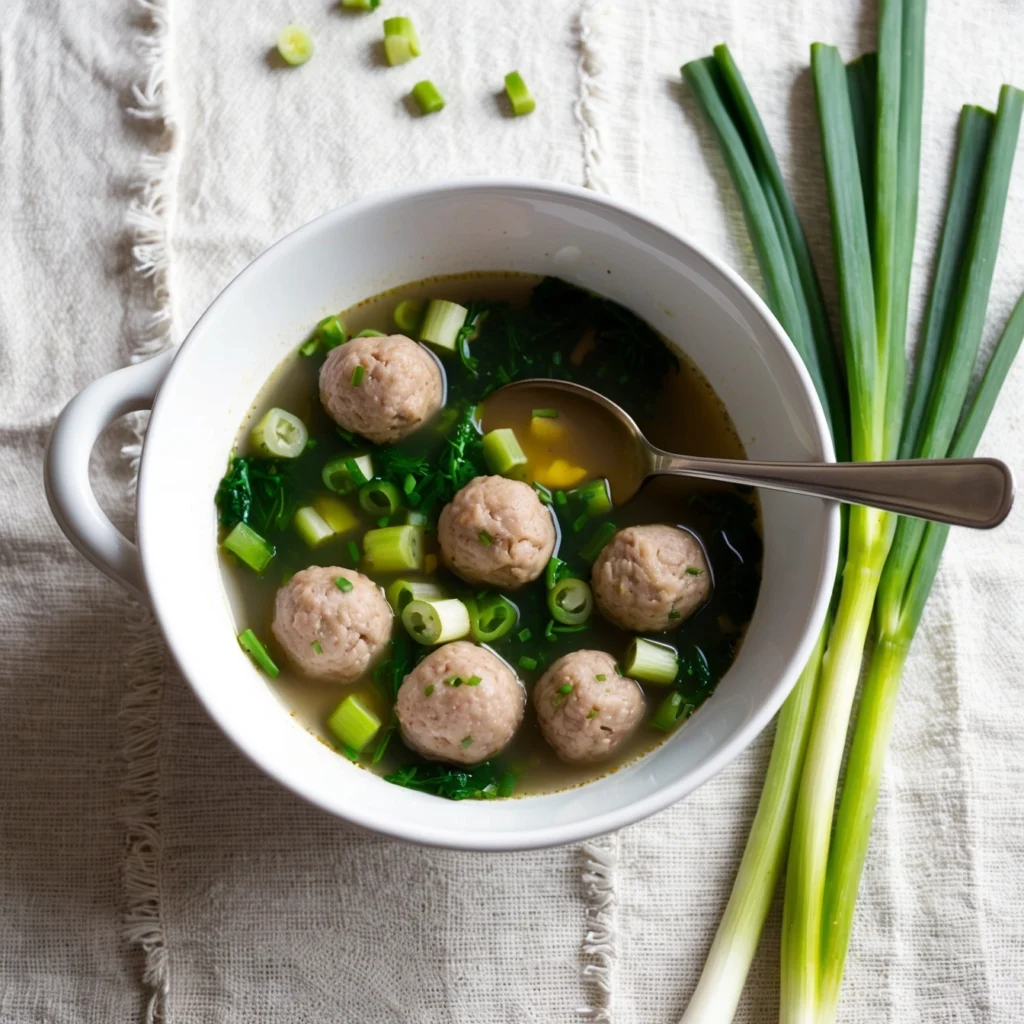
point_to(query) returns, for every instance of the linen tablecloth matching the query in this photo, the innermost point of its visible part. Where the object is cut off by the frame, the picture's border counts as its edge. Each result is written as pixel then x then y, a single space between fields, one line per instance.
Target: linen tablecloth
pixel 147 152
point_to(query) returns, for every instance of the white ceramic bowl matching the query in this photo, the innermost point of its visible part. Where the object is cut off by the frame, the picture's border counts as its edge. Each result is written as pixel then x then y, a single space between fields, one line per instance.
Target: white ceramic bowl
pixel 200 397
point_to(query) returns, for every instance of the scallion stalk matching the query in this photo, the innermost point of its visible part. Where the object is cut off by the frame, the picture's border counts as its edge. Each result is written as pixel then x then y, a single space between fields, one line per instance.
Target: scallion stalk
pixel 246 544
pixel 353 723
pixel 436 622
pixel 427 97
pixel 442 322
pixel 394 549
pixel 651 662
pixel 502 452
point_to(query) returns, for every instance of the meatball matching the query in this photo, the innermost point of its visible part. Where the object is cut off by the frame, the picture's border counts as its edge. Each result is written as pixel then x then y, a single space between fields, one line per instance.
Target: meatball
pixel 496 531
pixel 595 715
pixel 650 578
pixel 399 389
pixel 330 633
pixel 461 703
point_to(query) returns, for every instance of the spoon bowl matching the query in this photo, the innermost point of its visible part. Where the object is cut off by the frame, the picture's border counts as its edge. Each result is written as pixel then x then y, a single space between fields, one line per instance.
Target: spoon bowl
pixel 977 493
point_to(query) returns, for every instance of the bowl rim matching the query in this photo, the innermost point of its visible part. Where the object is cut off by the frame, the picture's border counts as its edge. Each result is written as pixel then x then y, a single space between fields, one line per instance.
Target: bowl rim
pixel 551 833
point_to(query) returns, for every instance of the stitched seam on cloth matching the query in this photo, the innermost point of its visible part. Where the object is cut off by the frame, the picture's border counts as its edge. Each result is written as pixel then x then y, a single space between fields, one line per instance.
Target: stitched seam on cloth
pixel 600 945
pixel 149 218
pixel 591 23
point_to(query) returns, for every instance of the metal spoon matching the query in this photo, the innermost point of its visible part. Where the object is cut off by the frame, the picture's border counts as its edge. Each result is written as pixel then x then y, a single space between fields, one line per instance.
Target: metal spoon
pixel 962 492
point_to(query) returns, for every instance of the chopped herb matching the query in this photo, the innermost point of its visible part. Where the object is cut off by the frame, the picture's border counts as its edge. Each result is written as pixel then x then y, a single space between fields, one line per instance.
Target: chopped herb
pixel 383 521
pixel 580 521
pixel 560 498
pixel 549 630
pixel 592 713
pixel 350 752
pixel 474 681
pixel 409 483
pixel 693 571
pixel 317 649
pixel 353 551
pixel 528 663
pixel 543 493
pixel 524 634
pixel 357 375
pixel 674 614
pixel 356 471
pixel 382 746
pixel 595 545
pixel 565 688
pixel 485 538
pixel 343 584
pixel 346 435
pixel 545 414
pixel 309 348
pixel 601 678
pixel 466 742
pixel 453 681
pixel 429 690
pixel 477 783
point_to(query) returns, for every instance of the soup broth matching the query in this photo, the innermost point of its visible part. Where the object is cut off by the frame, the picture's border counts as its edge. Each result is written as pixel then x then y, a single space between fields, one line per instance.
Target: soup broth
pixel 524 328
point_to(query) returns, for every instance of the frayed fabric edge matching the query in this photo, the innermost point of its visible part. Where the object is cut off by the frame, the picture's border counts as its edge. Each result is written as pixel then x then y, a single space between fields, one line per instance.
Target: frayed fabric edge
pixel 600 944
pixel 590 27
pixel 149 219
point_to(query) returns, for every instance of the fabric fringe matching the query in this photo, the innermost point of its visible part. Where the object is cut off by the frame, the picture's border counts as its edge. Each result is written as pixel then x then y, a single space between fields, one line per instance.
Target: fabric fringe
pixel 600 945
pixel 149 219
pixel 591 67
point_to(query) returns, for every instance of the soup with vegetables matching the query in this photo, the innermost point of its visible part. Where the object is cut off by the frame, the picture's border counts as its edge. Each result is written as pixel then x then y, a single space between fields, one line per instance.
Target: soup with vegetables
pixel 438 579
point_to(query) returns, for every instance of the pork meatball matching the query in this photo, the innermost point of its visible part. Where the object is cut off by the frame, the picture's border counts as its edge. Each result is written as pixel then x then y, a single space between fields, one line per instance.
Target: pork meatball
pixel 399 389
pixel 651 578
pixel 496 532
pixel 330 633
pixel 586 710
pixel 461 704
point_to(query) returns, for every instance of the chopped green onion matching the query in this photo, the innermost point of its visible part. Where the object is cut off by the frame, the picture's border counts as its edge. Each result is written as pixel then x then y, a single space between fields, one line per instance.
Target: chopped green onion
pixel 560 498
pixel 485 538
pixel 378 754
pixel 357 375
pixel 409 483
pixel 442 323
pixel 317 648
pixel 651 662
pixel 528 663
pixel 245 543
pixel 571 601
pixel 466 742
pixel 507 784
pixel 249 642
pixel 491 617
pixel 565 688
pixel 502 452
pixel 545 414
pixel 600 677
pixel 429 100
pixel 353 723
pixel 401 592
pixel 310 347
pixel 543 493
pixel 353 552
pixel 408 315
pixel 674 614
pixel 361 5
pixel 595 545
pixel 692 570
pixel 428 690
pixel 592 713
pixel 524 634
pixel 436 621
pixel 670 712
pixel 401 43
pixel 331 333
pixel 294 44
pixel 474 681
pixel 394 548
pixel 518 95
pixel 279 434
pixel 579 522
pixel 453 681
pixel 369 332
pixel 343 584
pixel 338 516
pixel 556 570
pixel 312 527
pixel 595 496
pixel 380 497
pixel 346 473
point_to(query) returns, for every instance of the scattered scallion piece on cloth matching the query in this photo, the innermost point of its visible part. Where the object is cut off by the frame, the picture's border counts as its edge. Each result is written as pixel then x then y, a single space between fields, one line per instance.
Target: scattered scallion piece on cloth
pixel 294 44
pixel 401 43
pixel 427 97
pixel 361 5
pixel 519 97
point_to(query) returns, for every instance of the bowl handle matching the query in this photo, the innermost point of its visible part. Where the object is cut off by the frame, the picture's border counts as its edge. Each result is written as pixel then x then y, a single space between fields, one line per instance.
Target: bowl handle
pixel 66 467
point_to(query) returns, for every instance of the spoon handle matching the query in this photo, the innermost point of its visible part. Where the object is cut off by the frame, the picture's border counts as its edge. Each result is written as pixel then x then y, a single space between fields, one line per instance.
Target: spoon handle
pixel 962 492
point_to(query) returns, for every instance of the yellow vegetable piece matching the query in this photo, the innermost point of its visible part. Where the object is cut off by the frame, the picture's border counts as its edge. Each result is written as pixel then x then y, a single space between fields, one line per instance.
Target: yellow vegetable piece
pixel 546 429
pixel 561 474
pixel 338 516
pixel 430 563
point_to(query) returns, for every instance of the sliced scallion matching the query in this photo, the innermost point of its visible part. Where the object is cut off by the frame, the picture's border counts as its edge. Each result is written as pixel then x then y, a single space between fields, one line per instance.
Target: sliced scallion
pixel 491 617
pixel 401 592
pixel 408 315
pixel 518 95
pixel 571 601
pixel 427 97
pixel 345 473
pixel 436 622
pixel 279 434
pixel 378 497
pixel 312 527
pixel 294 44
pixel 331 333
pixel 596 497
pixel 353 723
pixel 338 516
pixel 442 322
pixel 369 332
pixel 502 452
pixel 245 543
pixel 401 43
pixel 394 549
pixel 252 646
pixel 670 712
pixel 358 373
pixel 595 545
pixel 651 662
